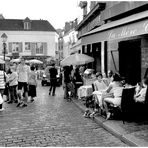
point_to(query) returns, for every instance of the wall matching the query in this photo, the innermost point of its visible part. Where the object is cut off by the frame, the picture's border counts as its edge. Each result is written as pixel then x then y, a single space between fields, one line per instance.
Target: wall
pixel 32 36
pixel 113 58
pixel 144 55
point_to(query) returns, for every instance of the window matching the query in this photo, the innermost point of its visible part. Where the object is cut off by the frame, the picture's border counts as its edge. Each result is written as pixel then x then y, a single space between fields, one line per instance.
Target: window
pixel 39 48
pixel 15 47
pixel 27 25
pixel 27 46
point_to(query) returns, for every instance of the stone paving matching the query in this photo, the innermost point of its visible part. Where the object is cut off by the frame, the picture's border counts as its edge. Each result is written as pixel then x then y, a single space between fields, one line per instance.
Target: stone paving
pixel 51 121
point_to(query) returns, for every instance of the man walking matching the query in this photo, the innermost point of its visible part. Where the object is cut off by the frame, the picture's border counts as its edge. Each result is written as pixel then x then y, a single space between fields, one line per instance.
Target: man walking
pixel 23 72
pixel 53 80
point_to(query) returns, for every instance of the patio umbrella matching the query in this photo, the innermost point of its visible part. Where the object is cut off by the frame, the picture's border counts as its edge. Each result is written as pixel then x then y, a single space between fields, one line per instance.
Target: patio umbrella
pixel 76 59
pixel 6 58
pixel 15 60
pixel 35 61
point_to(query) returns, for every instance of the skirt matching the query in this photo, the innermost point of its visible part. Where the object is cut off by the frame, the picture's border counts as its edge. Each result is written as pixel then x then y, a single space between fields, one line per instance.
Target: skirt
pixel 32 91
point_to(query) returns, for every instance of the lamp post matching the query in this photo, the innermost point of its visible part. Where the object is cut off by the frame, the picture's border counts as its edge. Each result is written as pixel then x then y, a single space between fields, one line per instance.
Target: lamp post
pixel 4 39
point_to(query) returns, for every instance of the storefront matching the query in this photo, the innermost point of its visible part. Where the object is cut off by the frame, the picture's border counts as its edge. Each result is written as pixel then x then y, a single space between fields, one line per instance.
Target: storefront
pixel 124 45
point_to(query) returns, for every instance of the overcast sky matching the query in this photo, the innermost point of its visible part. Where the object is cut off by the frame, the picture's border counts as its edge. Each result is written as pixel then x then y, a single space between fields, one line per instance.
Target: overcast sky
pixel 57 12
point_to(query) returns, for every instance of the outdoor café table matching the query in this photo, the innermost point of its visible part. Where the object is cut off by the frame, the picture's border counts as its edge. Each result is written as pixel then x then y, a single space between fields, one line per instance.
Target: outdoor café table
pixel 85 91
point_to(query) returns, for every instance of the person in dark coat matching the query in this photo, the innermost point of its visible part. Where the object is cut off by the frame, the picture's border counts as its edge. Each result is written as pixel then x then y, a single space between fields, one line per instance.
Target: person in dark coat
pixel 53 79
pixel 68 84
pixel 78 81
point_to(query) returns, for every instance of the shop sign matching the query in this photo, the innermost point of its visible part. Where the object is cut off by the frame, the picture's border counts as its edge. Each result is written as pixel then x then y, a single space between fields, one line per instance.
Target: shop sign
pixel 129 30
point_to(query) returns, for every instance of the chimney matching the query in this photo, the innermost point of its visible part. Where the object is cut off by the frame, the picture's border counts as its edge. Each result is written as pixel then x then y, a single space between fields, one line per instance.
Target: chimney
pixel 83 5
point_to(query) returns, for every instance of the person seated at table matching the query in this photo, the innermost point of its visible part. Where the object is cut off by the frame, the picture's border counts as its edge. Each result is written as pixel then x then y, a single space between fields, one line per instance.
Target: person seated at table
pixel 116 88
pixel 99 86
pixel 140 96
pixel 107 79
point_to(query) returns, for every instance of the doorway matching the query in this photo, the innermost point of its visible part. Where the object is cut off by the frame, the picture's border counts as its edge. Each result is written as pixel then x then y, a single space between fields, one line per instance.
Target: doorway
pixel 130 60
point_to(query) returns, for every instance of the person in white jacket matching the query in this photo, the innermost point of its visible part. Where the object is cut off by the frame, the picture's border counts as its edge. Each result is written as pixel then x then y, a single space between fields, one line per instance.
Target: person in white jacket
pixel 2 87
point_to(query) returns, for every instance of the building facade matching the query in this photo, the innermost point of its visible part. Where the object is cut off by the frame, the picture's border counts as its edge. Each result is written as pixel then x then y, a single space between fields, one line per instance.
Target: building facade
pixel 29 38
pixel 120 35
pixel 69 38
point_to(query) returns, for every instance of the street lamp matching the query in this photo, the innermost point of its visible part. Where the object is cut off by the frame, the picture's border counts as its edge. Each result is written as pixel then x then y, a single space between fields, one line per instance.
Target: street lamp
pixel 4 39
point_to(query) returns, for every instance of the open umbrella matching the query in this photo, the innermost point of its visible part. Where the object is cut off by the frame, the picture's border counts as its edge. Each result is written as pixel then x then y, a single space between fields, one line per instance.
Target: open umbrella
pixel 15 60
pixel 76 59
pixel 6 58
pixel 35 61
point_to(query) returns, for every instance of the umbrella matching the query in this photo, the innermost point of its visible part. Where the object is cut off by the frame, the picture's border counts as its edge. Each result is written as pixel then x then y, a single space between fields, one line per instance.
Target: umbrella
pixel 6 58
pixel 2 62
pixel 77 59
pixel 15 60
pixel 35 61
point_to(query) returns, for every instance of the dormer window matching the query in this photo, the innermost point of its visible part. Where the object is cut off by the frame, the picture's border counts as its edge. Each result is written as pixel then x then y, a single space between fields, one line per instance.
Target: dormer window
pixel 27 23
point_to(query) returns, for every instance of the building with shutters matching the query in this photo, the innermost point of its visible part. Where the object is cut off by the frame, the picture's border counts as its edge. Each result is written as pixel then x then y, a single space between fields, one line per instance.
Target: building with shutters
pixel 29 38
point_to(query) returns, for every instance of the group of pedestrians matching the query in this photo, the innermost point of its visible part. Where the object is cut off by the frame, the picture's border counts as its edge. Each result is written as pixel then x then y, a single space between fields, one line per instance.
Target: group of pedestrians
pixel 17 83
pixel 72 80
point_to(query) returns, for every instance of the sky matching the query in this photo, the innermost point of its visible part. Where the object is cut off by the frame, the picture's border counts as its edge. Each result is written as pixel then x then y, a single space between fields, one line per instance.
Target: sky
pixel 57 12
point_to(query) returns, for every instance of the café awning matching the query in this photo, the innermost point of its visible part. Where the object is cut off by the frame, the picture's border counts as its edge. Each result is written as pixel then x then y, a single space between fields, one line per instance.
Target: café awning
pixel 133 25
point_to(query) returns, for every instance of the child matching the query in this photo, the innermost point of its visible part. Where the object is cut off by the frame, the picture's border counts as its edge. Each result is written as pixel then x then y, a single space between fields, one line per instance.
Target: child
pixel 13 82
pixel 32 82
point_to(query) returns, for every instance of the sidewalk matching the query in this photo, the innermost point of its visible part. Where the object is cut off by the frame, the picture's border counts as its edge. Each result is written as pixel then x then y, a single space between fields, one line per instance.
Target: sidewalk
pixel 132 133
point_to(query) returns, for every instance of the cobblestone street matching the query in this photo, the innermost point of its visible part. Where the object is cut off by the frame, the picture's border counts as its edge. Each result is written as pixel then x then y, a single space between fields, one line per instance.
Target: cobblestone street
pixel 51 121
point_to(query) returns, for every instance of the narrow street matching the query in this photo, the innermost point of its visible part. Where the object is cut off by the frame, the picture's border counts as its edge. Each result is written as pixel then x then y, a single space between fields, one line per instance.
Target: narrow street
pixel 51 121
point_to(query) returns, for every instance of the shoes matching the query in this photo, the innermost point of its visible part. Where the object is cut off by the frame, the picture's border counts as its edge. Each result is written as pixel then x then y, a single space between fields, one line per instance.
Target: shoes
pixel 19 104
pixel 9 102
pixel 15 101
pixel 108 116
pixel 24 105
pixel 31 100
pixel 92 115
pixel 49 93
pixel 53 94
pixel 2 109
pixel 87 114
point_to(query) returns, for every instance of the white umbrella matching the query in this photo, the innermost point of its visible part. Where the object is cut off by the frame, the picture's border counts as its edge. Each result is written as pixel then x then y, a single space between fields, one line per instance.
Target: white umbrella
pixel 6 58
pixel 77 59
pixel 2 62
pixel 35 61
pixel 15 60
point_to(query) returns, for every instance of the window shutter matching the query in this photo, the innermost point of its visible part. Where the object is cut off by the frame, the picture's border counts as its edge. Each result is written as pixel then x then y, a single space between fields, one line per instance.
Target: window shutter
pixel 10 47
pixel 45 48
pixel 32 48
pixel 20 47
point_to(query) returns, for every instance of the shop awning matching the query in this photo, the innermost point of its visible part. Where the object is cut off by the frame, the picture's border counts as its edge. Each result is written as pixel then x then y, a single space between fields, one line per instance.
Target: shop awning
pixel 133 25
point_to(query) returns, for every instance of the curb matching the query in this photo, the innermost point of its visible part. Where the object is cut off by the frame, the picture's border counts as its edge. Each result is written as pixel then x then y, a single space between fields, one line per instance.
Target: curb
pixel 102 123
